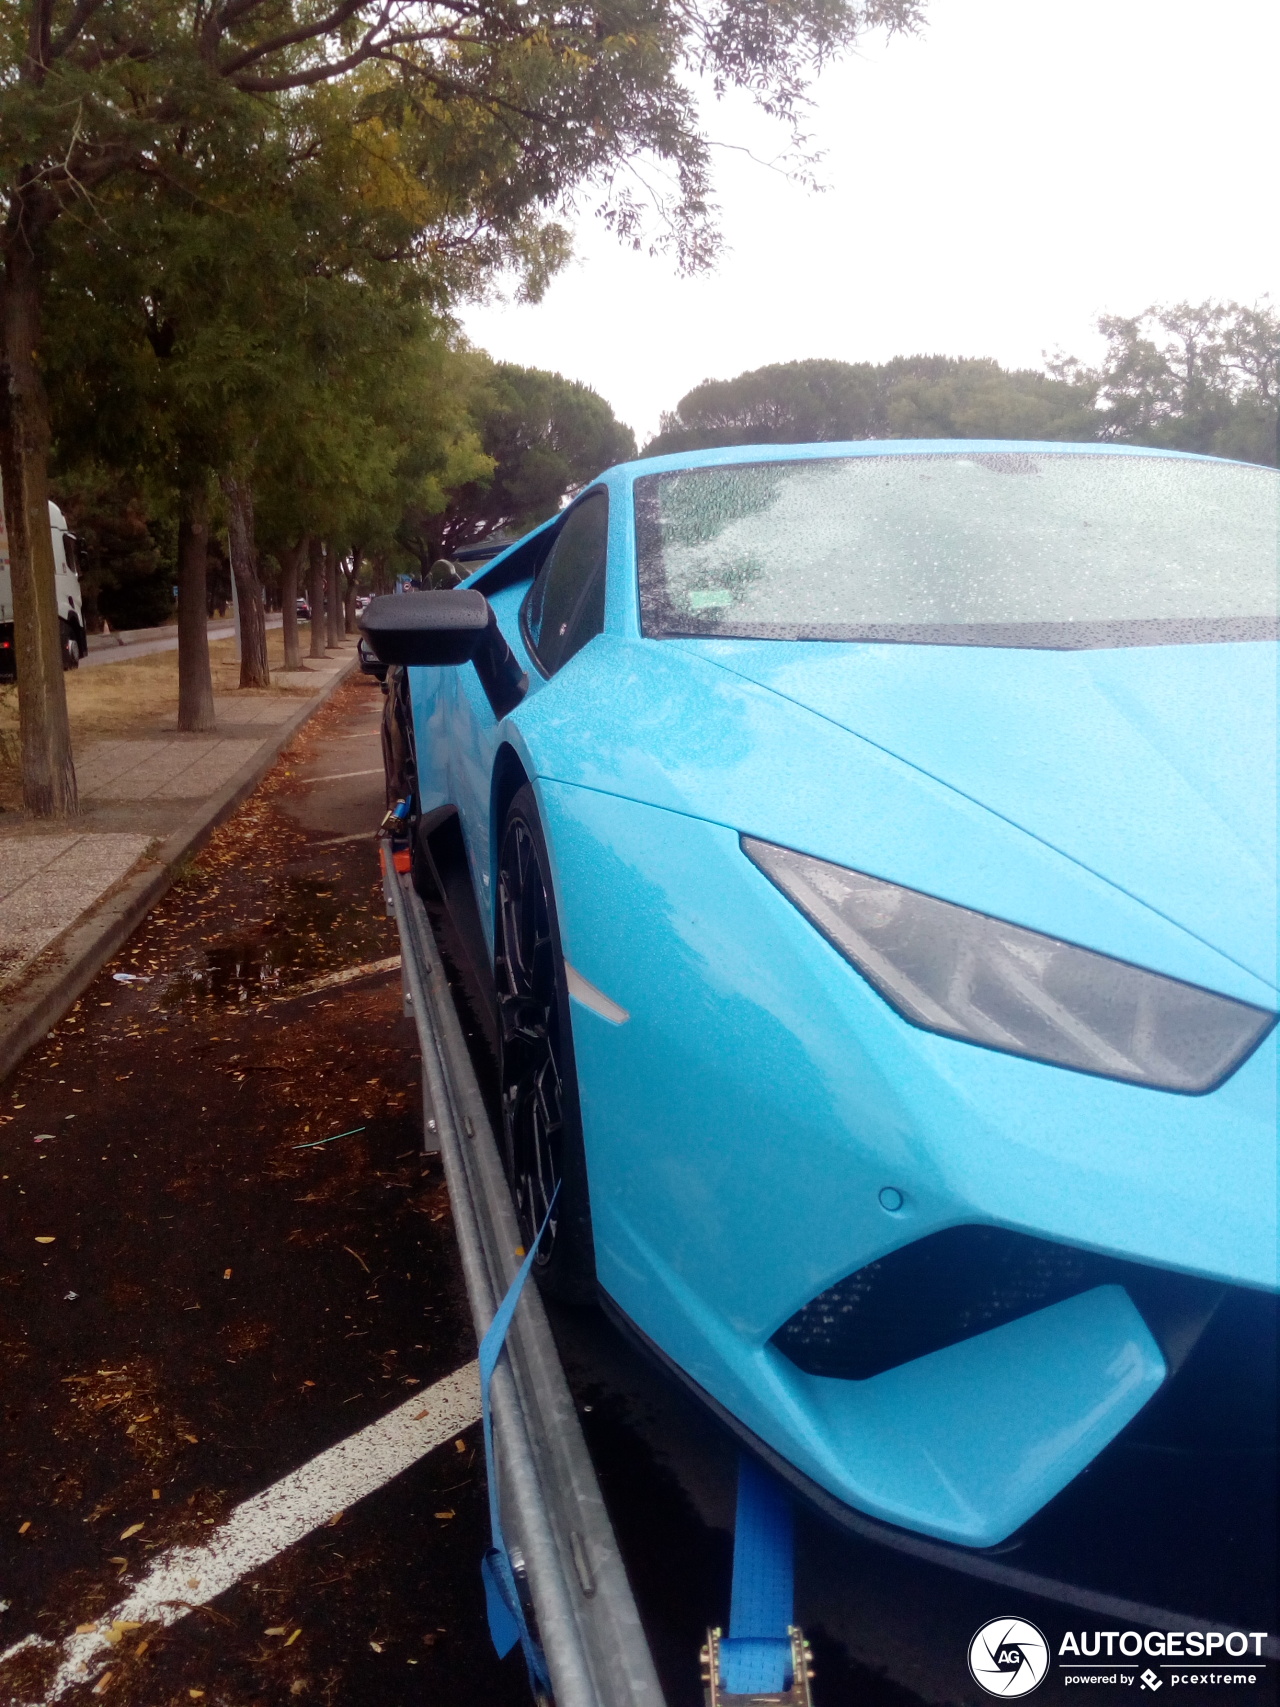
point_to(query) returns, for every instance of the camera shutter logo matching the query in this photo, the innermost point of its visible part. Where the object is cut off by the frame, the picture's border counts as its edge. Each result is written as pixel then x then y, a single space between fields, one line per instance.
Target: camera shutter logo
pixel 1008 1657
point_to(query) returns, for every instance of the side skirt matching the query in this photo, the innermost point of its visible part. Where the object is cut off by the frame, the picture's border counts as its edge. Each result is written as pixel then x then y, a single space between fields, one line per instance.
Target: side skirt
pixel 439 837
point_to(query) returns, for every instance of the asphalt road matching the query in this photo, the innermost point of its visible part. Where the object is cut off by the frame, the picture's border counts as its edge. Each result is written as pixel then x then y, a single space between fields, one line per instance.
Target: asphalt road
pixel 195 1304
pixel 140 648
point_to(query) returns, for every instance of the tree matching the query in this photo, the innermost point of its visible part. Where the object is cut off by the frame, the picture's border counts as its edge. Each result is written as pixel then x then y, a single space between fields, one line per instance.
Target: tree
pixel 909 397
pixel 126 545
pixel 557 96
pixel 242 539
pixel 1202 377
pixel 544 436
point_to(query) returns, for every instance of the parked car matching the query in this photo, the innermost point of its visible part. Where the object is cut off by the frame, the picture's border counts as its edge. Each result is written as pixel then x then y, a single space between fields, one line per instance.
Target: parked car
pixel 304 611
pixel 868 852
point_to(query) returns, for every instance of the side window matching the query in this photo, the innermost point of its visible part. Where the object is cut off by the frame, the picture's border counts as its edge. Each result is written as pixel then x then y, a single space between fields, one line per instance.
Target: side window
pixel 566 602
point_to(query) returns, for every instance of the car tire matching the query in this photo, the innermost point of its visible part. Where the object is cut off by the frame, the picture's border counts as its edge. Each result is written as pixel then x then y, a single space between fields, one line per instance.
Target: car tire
pixel 70 648
pixel 541 1116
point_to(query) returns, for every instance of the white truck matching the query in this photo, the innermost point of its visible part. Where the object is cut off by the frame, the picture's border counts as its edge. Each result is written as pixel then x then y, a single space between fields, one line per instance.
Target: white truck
pixel 71 629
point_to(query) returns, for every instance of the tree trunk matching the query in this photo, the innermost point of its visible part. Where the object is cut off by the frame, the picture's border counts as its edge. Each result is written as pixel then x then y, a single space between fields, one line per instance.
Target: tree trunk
pixel 351 592
pixel 254 672
pixel 332 597
pixel 290 571
pixel 315 597
pixel 195 683
pixel 48 772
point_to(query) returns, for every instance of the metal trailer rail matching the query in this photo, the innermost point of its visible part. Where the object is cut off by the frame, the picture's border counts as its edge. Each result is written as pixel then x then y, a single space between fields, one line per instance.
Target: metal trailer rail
pixel 552 1508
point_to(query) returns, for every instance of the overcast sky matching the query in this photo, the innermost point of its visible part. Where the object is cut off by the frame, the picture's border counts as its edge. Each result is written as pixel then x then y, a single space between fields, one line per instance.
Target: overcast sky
pixel 994 185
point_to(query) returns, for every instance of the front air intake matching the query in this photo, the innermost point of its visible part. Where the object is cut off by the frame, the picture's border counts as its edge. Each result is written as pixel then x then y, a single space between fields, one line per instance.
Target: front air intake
pixel 952 1285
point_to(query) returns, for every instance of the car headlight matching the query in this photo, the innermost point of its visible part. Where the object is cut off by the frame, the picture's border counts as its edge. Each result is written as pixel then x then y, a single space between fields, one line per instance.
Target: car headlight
pixel 969 976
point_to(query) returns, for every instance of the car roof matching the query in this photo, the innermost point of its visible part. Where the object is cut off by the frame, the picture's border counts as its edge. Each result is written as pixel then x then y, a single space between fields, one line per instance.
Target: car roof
pixel 721 455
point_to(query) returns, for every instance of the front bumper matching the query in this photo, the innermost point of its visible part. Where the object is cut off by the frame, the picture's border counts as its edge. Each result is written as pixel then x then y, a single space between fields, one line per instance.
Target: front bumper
pixel 748 1125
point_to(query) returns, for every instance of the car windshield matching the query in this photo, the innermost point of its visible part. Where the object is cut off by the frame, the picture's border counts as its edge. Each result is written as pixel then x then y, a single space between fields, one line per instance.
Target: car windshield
pixel 979 548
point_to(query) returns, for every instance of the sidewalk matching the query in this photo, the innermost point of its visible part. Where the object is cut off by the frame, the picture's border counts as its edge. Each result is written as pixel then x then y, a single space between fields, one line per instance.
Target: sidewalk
pixel 71 892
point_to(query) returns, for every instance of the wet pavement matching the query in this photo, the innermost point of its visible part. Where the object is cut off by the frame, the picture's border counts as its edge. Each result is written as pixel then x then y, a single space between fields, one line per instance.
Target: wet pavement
pixel 193 1302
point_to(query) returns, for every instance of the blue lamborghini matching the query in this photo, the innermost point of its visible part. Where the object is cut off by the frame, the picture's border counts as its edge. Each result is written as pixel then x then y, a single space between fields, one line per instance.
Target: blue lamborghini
pixel 870 853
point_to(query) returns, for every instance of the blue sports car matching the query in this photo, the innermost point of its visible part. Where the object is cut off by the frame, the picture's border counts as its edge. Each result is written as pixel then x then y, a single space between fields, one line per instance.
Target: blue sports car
pixel 870 850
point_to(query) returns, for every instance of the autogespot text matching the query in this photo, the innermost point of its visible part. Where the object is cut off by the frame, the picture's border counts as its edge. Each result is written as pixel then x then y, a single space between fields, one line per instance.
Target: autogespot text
pixel 1162 1644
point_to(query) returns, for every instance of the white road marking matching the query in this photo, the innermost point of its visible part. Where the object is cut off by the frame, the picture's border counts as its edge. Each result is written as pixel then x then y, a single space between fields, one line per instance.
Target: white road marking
pixel 256 1531
pixel 370 836
pixel 341 776
pixel 590 997
pixel 369 970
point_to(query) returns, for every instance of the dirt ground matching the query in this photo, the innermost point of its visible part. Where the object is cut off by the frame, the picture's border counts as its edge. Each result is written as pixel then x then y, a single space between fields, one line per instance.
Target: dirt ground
pixel 191 1305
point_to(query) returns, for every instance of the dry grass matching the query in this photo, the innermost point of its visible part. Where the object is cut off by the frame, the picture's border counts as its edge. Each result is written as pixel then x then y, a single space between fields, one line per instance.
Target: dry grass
pixel 129 699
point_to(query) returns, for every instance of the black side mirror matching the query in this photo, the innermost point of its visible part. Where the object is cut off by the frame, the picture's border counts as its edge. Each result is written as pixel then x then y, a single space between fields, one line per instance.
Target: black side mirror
pixel 370 663
pixel 425 628
pixel 444 628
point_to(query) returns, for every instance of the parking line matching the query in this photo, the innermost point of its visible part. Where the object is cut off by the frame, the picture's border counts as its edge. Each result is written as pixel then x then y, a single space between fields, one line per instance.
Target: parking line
pixel 331 980
pixel 182 1578
pixel 341 776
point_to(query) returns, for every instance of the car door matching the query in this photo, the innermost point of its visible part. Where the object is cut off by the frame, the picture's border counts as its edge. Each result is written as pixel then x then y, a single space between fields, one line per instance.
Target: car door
pixel 561 613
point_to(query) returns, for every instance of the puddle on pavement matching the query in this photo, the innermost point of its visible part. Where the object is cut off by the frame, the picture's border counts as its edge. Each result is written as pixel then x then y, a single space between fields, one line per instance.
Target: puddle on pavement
pixel 318 922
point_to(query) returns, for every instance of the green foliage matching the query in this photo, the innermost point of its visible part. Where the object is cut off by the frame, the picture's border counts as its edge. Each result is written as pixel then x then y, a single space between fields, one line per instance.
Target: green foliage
pixel 909 397
pixel 260 317
pixel 544 437
pixel 127 558
pixel 517 107
pixel 1200 377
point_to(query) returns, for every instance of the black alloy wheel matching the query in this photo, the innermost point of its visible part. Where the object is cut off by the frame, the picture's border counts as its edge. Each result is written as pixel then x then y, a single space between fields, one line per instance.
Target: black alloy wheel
pixel 70 647
pixel 541 1121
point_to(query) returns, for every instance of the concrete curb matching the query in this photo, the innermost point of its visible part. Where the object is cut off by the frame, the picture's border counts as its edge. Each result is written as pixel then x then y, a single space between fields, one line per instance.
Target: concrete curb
pixel 85 948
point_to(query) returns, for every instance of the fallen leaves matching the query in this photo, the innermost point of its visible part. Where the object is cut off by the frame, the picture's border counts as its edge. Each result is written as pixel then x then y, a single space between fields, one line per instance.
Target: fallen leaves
pixel 132 1530
pixel 45 1238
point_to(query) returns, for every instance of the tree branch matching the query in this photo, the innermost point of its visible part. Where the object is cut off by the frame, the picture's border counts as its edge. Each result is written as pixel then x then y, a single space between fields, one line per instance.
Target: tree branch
pixel 38 32
pixel 74 26
pixel 341 14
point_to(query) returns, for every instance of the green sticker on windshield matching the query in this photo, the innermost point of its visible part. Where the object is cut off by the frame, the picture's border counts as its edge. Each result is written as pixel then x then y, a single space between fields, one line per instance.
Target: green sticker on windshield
pixel 708 598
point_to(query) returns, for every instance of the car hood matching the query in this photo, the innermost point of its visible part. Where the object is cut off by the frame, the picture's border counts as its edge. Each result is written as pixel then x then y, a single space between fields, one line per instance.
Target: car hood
pixel 1152 767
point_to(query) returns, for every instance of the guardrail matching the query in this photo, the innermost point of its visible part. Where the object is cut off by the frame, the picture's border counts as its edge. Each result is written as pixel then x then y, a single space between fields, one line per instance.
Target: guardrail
pixel 552 1507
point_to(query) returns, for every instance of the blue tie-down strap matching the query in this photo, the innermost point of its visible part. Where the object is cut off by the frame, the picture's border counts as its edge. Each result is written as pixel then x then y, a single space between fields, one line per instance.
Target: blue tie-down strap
pixel 755 1657
pixel 507 1622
